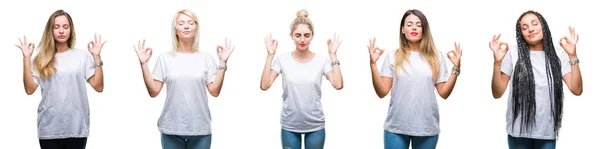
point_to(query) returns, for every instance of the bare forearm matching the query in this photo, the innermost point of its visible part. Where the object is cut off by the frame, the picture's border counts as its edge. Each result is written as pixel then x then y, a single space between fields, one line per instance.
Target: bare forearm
pixel 378 84
pixel 28 82
pixel 576 80
pixel 98 76
pixel 151 86
pixel 497 87
pixel 337 80
pixel 265 81
pixel 448 86
pixel 217 84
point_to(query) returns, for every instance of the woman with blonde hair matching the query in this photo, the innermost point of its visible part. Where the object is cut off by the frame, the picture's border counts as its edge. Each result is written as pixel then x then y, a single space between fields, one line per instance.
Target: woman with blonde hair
pixel 302 71
pixel 412 74
pixel 185 121
pixel 61 71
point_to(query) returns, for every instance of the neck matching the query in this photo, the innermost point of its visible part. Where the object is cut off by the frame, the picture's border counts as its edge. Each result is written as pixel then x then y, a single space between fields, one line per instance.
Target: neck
pixel 61 47
pixel 536 47
pixel 185 46
pixel 413 46
pixel 302 53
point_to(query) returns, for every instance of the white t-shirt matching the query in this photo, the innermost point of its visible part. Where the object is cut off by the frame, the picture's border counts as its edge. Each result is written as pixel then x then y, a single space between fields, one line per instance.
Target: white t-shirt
pixel 413 106
pixel 64 110
pixel 186 75
pixel 544 124
pixel 302 110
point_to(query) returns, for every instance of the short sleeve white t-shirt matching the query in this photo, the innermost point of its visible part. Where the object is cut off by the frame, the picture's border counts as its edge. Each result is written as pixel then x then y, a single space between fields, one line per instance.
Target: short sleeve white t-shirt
pixel 64 110
pixel 413 108
pixel 302 110
pixel 186 75
pixel 544 124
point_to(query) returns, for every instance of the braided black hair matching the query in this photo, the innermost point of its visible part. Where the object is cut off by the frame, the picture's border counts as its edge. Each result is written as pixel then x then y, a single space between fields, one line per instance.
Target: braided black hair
pixel 523 82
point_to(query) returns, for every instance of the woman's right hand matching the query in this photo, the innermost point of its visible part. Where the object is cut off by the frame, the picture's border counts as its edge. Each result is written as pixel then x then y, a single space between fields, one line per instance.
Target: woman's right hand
pixel 500 48
pixel 271 44
pixel 374 51
pixel 143 53
pixel 26 47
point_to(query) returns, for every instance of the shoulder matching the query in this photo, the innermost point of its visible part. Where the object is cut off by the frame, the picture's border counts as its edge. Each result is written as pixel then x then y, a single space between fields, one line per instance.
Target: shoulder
pixel 321 57
pixel 80 51
pixel 392 54
pixel 285 56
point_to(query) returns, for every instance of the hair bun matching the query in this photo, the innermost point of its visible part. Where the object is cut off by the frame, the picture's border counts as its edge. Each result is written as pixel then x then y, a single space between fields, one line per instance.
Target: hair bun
pixel 302 13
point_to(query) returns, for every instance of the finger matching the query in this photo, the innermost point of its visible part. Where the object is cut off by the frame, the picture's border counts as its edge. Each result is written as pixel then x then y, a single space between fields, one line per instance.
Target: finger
pixel 276 42
pixel 149 51
pixel 455 46
pixel 143 43
pixel 90 44
pixel 24 40
pixel 31 46
pixel 20 42
pixel 18 46
pixel 340 42
pixel 232 49
pixel 328 41
pixel 577 38
pixel 139 44
pixel 571 30
pixel 102 45
pixel 95 38
pixel 99 38
pixel 503 46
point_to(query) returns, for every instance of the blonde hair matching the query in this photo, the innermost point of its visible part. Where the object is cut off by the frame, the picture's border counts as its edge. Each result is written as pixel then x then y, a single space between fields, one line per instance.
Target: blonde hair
pixel 175 38
pixel 427 48
pixel 301 18
pixel 44 62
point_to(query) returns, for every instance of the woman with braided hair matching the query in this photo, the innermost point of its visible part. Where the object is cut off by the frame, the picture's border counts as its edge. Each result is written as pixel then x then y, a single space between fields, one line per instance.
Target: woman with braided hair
pixel 536 69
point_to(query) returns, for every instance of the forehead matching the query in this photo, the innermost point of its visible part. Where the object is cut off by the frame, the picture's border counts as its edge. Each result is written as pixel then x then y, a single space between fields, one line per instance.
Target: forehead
pixel 302 28
pixel 528 18
pixel 61 20
pixel 183 17
pixel 412 18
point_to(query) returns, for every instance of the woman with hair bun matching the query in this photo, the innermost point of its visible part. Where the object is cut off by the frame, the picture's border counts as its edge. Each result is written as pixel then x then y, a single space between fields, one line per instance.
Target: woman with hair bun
pixel 302 71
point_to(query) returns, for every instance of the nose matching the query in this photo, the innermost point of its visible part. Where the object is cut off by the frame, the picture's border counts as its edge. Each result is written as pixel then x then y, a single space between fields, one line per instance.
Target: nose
pixel 302 39
pixel 414 28
pixel 61 30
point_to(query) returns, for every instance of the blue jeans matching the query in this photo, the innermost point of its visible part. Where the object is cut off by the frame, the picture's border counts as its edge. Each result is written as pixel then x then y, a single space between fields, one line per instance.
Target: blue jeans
pixel 400 141
pixel 185 142
pixel 312 140
pixel 528 143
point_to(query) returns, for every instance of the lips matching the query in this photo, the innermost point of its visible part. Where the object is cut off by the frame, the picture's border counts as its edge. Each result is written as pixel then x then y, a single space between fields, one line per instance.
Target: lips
pixel 302 45
pixel 61 36
pixel 532 35
pixel 414 33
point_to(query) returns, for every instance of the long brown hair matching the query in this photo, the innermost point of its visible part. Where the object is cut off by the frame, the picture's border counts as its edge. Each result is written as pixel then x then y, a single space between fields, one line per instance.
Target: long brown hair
pixel 426 46
pixel 44 62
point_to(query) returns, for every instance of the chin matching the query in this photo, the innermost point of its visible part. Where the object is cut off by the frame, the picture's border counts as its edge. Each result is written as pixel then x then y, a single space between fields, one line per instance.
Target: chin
pixel 61 41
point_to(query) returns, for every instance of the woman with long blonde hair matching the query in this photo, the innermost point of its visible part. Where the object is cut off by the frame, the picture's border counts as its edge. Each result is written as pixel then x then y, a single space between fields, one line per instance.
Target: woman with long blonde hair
pixel 185 121
pixel 61 70
pixel 411 74
pixel 302 71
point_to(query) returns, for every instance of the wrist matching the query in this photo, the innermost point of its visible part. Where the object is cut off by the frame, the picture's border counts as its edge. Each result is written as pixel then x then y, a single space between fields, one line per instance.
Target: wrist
pixel 573 57
pixel 333 57
pixel 97 58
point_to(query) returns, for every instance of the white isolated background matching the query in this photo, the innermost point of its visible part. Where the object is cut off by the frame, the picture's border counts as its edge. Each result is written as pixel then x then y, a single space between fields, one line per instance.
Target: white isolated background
pixel 124 116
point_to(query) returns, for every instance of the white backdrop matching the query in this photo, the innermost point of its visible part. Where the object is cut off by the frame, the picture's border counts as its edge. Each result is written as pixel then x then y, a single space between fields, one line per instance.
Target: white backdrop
pixel 124 116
